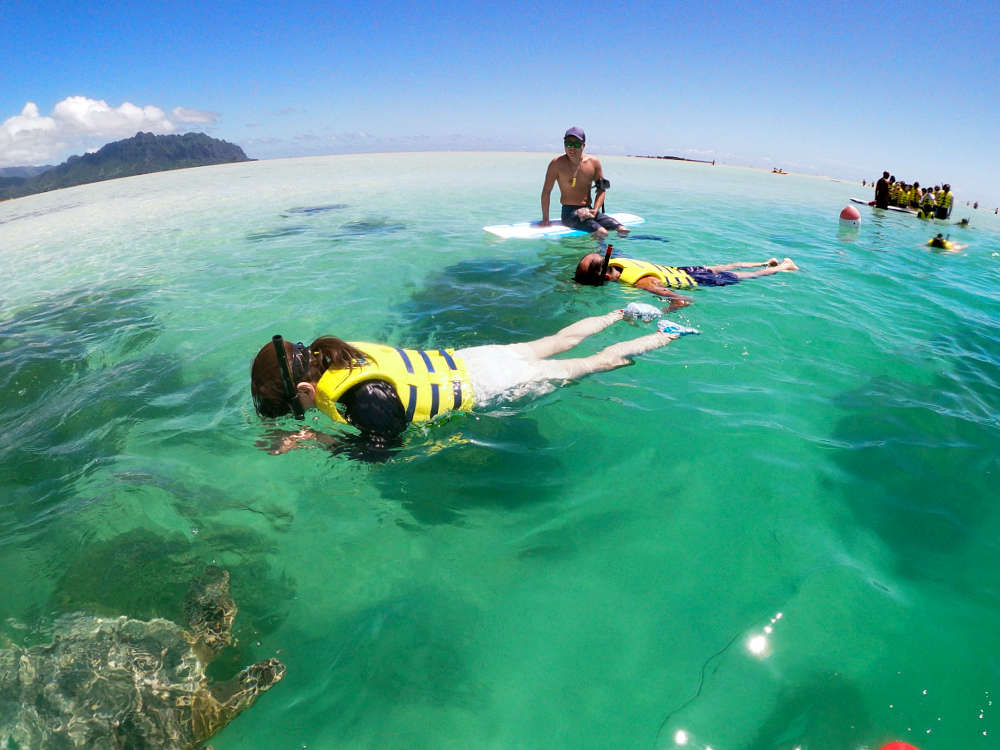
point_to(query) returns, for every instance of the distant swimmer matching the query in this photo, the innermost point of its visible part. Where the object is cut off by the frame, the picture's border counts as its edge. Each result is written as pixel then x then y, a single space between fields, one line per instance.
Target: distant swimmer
pixel 962 223
pixel 576 172
pixel 940 242
pixel 380 389
pixel 661 280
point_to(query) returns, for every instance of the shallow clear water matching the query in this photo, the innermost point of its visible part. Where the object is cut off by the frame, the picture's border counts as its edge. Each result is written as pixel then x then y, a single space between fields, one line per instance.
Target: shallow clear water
pixel 589 569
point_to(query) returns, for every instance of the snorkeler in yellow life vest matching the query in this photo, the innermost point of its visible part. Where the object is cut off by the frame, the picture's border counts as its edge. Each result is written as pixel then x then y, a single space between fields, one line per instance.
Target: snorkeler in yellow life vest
pixel 429 382
pixel 940 242
pixel 594 269
pixel 381 389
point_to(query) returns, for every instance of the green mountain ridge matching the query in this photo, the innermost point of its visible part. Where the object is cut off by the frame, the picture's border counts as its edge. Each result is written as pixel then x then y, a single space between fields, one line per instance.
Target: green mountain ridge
pixel 141 154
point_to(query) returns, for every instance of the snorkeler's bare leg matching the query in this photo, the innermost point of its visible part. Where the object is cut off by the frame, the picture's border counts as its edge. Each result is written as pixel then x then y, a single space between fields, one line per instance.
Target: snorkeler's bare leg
pixel 734 266
pixel 784 266
pixel 609 358
pixel 568 337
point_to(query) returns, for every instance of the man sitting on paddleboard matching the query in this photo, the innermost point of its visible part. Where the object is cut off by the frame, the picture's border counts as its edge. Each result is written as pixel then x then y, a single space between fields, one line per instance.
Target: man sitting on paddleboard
pixel 576 172
pixel 659 279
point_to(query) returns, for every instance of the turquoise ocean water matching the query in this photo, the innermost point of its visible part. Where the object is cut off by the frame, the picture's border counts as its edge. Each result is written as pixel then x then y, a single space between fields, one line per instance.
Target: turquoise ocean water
pixel 778 534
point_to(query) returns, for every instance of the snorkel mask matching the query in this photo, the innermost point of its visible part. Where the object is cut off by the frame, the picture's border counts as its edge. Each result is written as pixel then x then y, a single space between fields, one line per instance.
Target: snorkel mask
pixel 287 383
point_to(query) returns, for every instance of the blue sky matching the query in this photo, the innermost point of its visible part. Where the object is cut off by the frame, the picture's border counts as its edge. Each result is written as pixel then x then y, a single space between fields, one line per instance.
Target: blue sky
pixel 845 90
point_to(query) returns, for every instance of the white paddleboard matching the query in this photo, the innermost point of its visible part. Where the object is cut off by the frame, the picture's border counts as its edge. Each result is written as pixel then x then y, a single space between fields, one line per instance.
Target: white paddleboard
pixel 531 230
pixel 899 209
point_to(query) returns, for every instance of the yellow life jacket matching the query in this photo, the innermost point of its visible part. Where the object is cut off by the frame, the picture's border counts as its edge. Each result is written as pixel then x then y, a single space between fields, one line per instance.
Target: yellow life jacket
pixel 945 199
pixel 428 382
pixel 928 197
pixel 633 270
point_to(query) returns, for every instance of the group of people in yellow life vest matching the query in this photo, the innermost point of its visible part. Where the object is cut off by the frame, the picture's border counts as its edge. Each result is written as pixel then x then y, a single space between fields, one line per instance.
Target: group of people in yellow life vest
pixel 932 203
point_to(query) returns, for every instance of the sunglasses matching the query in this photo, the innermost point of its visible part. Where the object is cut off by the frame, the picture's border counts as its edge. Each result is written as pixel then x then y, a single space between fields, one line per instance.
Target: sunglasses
pixel 573 144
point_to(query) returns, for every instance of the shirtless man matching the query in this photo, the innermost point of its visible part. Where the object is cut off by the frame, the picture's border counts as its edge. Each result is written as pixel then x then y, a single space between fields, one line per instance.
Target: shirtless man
pixel 576 172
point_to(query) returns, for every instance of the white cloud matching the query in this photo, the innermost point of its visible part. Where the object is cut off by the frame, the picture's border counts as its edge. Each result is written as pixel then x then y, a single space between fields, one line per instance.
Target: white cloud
pixel 183 114
pixel 83 116
pixel 27 138
pixel 78 123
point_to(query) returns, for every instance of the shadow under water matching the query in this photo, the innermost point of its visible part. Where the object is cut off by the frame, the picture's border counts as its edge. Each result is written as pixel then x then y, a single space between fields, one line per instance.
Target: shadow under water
pixel 311 210
pixel 822 711
pixel 473 461
pixel 371 226
pixel 498 300
pixel 406 653
pixel 923 457
pixel 274 234
pixel 74 367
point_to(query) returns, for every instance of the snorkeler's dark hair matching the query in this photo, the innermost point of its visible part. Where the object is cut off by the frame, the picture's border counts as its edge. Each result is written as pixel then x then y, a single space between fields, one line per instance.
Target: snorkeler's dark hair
pixel 267 384
pixel 592 273
pixel 589 273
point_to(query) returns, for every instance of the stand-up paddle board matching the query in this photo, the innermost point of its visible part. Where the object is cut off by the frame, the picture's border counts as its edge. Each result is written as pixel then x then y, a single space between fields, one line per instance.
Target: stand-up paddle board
pixel 900 209
pixel 531 230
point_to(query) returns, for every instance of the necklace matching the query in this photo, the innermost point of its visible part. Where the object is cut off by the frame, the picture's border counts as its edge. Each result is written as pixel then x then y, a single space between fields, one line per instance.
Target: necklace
pixel 575 172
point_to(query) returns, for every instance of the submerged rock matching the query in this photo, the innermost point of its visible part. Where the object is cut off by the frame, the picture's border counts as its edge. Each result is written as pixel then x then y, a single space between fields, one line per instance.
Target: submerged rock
pixel 124 683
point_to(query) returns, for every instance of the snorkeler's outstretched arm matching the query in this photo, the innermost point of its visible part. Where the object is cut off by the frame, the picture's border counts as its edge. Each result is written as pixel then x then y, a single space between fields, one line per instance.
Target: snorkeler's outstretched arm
pixel 278 441
pixel 650 284
pixel 373 407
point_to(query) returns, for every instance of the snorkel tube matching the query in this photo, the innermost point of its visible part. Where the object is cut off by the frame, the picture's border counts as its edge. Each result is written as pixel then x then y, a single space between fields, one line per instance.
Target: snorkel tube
pixel 291 395
pixel 604 265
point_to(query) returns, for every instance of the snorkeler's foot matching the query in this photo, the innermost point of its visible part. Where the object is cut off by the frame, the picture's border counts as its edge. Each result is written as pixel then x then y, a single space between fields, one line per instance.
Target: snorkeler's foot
pixel 623 230
pixel 788 265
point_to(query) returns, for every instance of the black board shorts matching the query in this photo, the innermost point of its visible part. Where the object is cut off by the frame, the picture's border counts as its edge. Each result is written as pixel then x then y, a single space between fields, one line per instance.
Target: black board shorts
pixel 570 219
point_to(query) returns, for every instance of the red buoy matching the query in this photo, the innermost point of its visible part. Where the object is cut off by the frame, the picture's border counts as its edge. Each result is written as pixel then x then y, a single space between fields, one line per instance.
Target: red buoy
pixel 850 216
pixel 897 745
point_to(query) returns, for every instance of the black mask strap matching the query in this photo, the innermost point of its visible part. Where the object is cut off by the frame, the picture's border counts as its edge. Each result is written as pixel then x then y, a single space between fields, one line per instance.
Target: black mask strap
pixel 291 395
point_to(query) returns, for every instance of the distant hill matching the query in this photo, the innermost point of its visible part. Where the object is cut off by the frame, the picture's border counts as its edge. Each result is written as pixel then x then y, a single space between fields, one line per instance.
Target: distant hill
pixel 142 153
pixel 23 171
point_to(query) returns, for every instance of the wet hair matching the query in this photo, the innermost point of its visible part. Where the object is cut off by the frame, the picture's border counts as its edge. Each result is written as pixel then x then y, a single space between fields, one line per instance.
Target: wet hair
pixel 375 409
pixel 306 364
pixel 589 271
